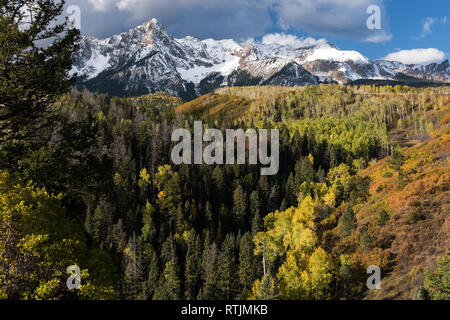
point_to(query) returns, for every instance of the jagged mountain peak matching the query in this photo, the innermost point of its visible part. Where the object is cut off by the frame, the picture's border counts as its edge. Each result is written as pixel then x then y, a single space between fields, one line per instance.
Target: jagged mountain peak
pixel 441 67
pixel 154 23
pixel 147 59
pixel 324 43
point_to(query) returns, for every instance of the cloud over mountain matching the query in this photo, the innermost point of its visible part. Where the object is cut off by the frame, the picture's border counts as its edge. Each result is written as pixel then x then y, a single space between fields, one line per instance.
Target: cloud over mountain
pixel 238 19
pixel 211 18
pixel 416 56
pixel 288 40
pixel 344 18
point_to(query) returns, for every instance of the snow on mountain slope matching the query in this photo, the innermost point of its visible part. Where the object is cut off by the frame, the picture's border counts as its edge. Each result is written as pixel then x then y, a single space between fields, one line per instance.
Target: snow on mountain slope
pixel 221 58
pixel 434 71
pixel 334 54
pixel 147 59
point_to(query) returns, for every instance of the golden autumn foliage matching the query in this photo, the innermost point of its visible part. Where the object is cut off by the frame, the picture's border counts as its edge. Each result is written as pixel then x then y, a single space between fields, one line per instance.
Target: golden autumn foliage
pixel 38 243
pixel 418 226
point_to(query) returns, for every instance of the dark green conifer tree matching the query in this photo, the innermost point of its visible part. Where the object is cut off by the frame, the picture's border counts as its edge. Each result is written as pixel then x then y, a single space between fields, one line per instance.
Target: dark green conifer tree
pixel 347 223
pixel 32 75
pixel 240 207
pixel 247 265
pixel 193 266
pixel 228 282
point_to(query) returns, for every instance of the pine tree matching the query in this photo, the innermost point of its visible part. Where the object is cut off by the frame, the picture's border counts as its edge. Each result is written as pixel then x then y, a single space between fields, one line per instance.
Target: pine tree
pixel 219 182
pixel 365 242
pixel 396 163
pixel 89 222
pixel 274 198
pixel 228 283
pixel 153 276
pixel 304 170
pixel 255 210
pixel 148 231
pixel 344 281
pixel 247 264
pixel 264 187
pixel 297 144
pixel 168 251
pixel 208 215
pixel 397 160
pixel 132 274
pixel 119 236
pixel 169 284
pixel 334 157
pixel 180 222
pixel 383 217
pixel 210 276
pixel 99 225
pixel 291 192
pixel 25 98
pixel 347 223
pixel 193 266
pixel 240 207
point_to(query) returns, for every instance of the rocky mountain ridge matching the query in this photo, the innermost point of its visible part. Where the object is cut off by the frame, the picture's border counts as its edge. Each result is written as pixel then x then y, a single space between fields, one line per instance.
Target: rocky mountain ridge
pixel 147 59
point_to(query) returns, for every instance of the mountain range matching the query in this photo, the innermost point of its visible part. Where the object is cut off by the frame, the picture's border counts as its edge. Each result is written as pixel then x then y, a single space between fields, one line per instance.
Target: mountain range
pixel 147 59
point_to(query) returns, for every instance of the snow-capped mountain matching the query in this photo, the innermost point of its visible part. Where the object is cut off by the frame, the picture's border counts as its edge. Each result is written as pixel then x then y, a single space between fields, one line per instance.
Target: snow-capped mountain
pixel 434 71
pixel 148 59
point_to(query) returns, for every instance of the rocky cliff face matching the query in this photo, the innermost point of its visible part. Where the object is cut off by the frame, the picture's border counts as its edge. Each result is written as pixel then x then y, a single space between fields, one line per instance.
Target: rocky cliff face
pixel 148 59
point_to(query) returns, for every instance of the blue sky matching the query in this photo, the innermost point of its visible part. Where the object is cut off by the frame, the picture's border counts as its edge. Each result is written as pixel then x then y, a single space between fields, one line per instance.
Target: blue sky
pixel 406 19
pixel 405 24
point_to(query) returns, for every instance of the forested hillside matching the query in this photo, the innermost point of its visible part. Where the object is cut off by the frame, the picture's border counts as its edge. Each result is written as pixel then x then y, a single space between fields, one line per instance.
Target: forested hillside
pixel 364 180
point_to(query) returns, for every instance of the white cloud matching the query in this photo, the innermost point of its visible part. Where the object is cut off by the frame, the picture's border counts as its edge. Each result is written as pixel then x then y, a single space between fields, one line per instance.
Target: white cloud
pixel 416 56
pixel 102 5
pixel 380 37
pixel 238 19
pixel 344 18
pixel 200 18
pixel 288 40
pixel 426 26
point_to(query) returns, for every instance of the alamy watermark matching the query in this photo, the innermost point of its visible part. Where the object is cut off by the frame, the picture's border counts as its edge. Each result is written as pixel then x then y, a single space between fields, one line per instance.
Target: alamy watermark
pixel 214 152
pixel 374 20
pixel 374 281
pixel 74 281
pixel 74 18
